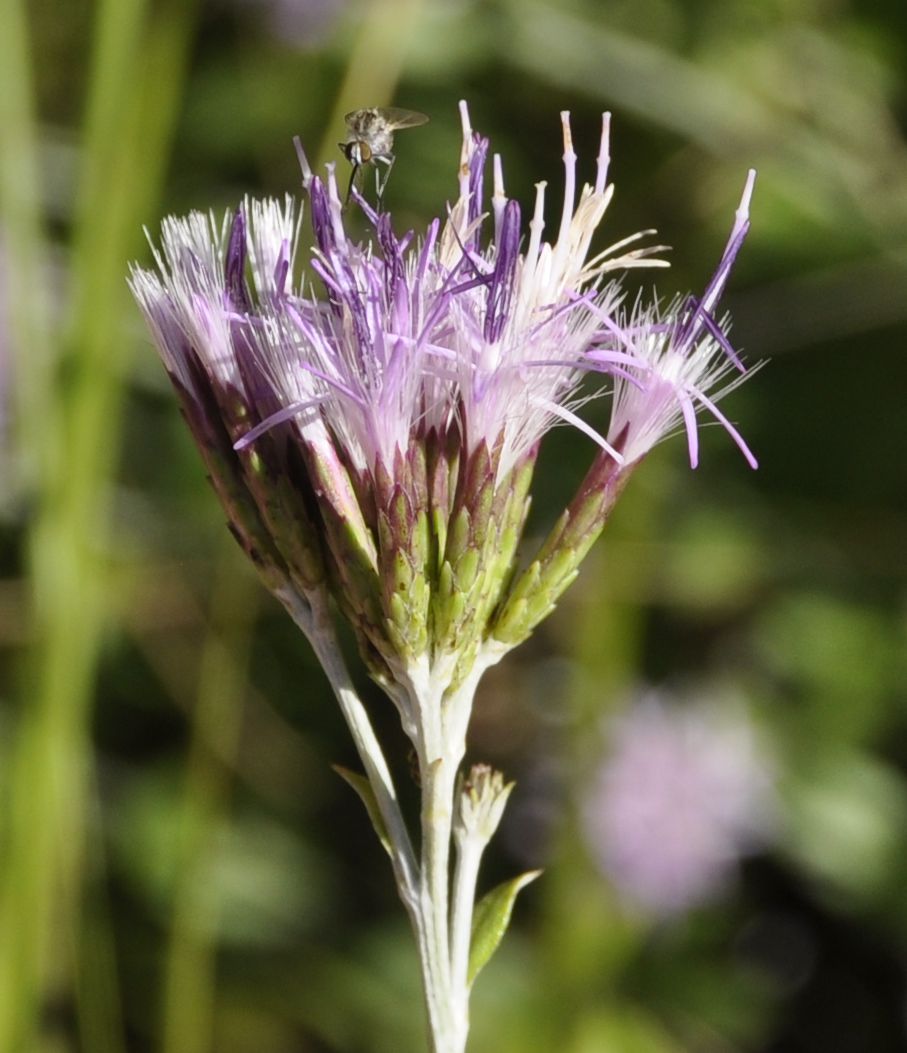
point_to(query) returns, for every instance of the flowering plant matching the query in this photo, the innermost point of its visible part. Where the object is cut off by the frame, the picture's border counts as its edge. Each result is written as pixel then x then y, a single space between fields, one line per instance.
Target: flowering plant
pixel 375 446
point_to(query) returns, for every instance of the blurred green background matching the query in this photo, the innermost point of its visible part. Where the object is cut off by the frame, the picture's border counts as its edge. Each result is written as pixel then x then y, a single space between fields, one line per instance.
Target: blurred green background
pixel 180 870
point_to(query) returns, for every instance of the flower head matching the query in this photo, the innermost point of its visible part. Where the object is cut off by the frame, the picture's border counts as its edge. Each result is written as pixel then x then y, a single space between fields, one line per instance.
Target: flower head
pixel 380 435
pixel 523 322
pixel 450 330
pixel 678 361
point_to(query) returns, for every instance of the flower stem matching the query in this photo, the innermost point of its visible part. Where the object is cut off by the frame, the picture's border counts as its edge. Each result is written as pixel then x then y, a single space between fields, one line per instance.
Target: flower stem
pixel 466 874
pixel 424 886
pixel 438 778
pixel 313 617
pixel 441 747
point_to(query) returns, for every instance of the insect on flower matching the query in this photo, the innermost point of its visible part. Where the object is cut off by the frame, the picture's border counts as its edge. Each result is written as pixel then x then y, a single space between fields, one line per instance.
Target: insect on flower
pixel 370 139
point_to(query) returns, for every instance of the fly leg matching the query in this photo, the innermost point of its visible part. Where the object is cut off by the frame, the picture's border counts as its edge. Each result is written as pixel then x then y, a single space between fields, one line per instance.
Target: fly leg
pixel 349 189
pixel 380 184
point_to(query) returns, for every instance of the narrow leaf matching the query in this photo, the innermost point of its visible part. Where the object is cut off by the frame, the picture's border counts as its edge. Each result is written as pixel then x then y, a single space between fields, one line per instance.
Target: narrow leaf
pixel 367 795
pixel 491 918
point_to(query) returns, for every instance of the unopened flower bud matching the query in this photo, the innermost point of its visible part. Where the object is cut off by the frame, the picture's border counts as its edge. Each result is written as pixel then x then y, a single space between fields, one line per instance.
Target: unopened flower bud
pixel 482 799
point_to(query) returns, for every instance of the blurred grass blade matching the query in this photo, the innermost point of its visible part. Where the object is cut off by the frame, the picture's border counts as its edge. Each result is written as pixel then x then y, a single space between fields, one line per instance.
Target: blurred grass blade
pixel 30 847
pixel 23 244
pixel 189 986
pixel 97 983
pixel 375 64
pixel 134 85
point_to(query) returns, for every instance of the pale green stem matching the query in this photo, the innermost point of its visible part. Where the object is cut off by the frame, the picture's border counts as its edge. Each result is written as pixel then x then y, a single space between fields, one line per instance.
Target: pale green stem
pixel 466 875
pixel 313 618
pixel 424 886
pixel 441 747
pixel 469 849
pixel 438 780
pixel 428 924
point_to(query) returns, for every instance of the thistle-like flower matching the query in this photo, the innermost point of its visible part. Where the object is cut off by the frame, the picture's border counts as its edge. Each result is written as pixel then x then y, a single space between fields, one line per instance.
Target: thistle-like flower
pixel 680 359
pixel 376 442
pixel 391 426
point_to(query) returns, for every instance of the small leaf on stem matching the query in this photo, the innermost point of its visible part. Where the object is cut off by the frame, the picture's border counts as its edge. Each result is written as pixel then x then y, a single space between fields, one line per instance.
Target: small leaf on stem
pixel 367 795
pixel 491 918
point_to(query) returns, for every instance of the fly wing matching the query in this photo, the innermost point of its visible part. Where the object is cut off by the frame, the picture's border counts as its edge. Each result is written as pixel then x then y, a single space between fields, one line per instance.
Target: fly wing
pixel 359 122
pixel 398 118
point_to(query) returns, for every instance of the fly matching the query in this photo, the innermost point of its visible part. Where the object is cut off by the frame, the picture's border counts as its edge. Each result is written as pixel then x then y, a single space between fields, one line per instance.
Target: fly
pixel 370 141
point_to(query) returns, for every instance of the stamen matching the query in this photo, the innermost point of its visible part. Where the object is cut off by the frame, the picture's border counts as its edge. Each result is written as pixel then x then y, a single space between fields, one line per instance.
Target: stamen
pixel 715 288
pixel 466 149
pixel 536 226
pixel 303 162
pixel 729 428
pixel 428 248
pixel 604 155
pixel 464 121
pixel 476 181
pixel 235 264
pixel 689 422
pixel 563 235
pixel 565 414
pixel 498 177
pixel 742 214
pixel 500 290
pixel 335 206
pixel 738 233
pixel 498 198
pixel 268 423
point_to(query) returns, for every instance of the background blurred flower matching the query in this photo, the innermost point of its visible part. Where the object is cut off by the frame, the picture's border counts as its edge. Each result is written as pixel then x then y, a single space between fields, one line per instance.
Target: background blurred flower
pixel 684 792
pixel 302 24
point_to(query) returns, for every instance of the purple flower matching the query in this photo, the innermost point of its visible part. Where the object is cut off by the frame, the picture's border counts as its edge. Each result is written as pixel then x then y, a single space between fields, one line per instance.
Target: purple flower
pixel 388 426
pixel 678 357
pixel 445 331
pixel 302 24
pixel 375 442
pixel 684 792
pixel 524 323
